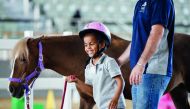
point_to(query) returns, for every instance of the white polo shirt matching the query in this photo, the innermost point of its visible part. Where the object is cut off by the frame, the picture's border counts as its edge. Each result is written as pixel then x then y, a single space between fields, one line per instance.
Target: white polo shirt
pixel 100 77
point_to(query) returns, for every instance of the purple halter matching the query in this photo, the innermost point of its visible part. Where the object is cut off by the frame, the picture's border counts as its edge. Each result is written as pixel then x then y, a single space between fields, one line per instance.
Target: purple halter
pixel 34 74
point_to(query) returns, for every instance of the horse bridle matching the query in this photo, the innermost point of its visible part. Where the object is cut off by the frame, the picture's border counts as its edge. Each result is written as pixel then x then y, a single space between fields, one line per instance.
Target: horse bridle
pixel 35 74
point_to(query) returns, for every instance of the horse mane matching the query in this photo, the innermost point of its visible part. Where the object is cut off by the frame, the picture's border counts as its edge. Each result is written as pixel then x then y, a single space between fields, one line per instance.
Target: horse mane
pixel 20 50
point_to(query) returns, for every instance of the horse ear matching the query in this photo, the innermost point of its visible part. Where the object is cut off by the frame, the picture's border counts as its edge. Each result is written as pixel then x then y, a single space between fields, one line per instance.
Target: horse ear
pixel 29 40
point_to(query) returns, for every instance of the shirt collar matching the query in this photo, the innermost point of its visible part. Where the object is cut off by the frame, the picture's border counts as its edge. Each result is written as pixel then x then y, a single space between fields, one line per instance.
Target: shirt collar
pixel 100 60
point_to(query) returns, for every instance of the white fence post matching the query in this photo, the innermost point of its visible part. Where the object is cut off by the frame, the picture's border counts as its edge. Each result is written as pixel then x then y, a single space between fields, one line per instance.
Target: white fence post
pixel 68 96
pixel 31 96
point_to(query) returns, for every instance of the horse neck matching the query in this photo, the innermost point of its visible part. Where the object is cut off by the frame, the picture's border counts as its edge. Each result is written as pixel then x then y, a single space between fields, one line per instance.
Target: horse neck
pixel 61 55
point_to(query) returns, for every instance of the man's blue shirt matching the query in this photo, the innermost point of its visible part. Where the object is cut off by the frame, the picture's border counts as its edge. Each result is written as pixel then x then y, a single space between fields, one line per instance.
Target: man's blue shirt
pixel 148 13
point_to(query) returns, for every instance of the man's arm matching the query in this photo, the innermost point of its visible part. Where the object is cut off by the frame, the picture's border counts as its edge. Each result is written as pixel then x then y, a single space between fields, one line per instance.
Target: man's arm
pixel 124 58
pixel 152 44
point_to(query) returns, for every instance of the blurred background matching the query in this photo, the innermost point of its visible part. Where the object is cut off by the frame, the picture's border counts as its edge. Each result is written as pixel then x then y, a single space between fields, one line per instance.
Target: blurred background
pixel 53 17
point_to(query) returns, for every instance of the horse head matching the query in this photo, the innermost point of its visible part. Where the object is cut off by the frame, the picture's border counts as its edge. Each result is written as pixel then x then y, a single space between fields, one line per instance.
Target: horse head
pixel 24 68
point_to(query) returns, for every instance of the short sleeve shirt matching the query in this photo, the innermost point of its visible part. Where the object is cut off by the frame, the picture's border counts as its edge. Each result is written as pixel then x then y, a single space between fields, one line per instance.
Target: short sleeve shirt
pixel 148 13
pixel 100 77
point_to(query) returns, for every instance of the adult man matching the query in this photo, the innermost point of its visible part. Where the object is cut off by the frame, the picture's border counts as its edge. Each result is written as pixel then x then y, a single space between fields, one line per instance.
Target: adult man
pixel 150 52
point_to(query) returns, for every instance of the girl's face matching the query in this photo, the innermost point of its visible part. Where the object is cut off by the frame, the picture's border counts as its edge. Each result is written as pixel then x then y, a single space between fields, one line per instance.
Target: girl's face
pixel 91 45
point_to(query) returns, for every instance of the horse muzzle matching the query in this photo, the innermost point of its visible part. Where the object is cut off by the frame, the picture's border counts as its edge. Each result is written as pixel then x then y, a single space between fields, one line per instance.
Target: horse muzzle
pixel 17 92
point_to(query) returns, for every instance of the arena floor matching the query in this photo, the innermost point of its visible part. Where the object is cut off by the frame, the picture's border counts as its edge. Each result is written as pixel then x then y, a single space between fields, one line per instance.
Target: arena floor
pixel 6 103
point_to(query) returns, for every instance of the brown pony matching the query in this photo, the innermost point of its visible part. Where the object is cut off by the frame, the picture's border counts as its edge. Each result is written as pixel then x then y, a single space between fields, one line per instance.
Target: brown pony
pixel 66 56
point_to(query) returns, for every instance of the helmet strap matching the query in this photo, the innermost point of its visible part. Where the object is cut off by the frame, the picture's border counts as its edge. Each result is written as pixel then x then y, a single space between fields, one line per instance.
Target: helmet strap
pixel 99 52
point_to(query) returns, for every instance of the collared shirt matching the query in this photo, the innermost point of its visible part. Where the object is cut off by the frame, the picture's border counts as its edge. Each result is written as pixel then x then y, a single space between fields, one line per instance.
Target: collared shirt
pixel 101 78
pixel 148 13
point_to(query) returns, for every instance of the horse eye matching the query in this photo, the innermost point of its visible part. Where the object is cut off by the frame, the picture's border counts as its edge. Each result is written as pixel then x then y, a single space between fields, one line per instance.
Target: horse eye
pixel 23 60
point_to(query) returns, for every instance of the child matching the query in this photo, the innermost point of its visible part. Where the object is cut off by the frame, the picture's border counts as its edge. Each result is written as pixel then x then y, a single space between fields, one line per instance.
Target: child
pixel 103 78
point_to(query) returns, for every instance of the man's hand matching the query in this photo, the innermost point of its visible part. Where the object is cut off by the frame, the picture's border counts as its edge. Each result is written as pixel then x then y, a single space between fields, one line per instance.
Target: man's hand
pixel 136 75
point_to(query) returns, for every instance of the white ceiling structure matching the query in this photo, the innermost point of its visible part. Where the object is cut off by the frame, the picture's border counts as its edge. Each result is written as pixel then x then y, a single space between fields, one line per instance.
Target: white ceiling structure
pixel 54 16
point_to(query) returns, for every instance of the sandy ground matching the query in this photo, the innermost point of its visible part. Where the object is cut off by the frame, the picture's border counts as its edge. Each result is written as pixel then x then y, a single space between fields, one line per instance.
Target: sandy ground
pixel 6 103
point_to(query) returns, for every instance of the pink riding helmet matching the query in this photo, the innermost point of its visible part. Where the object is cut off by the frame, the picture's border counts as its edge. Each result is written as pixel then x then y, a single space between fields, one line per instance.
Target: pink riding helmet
pixel 96 27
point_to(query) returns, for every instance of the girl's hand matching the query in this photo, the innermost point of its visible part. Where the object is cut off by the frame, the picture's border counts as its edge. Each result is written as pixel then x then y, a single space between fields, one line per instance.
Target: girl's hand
pixel 113 103
pixel 71 78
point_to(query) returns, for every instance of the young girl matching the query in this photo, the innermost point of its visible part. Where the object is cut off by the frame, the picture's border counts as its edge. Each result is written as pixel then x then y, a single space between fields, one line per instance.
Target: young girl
pixel 103 78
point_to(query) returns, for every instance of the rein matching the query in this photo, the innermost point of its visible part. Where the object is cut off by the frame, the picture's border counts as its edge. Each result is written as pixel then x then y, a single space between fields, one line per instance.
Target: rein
pixel 35 74
pixel 64 92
